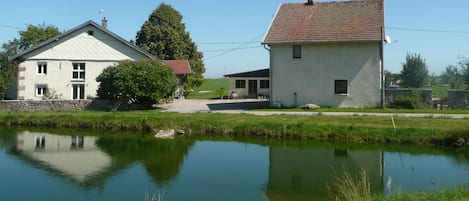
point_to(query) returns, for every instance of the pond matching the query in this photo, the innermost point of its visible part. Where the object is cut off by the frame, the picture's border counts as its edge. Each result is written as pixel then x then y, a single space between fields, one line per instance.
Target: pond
pixel 66 165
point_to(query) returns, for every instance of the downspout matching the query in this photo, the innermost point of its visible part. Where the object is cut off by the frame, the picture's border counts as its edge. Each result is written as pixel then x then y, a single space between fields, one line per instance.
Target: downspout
pixel 381 55
pixel 270 75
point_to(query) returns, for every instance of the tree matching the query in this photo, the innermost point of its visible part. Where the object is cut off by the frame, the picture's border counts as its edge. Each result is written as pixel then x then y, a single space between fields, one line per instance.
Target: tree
pixel 32 36
pixel 414 72
pixel 452 76
pixel 37 34
pixel 464 68
pixel 164 35
pixel 143 82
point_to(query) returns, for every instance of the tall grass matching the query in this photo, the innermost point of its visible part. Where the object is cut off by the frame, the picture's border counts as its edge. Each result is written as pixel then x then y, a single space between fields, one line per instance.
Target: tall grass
pixel 349 188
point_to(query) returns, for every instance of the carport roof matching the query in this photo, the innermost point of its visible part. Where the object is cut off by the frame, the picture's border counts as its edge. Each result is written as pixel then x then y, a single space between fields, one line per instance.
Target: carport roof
pixel 256 73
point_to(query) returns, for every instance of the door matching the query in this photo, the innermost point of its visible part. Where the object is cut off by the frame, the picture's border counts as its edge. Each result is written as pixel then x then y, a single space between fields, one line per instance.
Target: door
pixel 78 92
pixel 252 86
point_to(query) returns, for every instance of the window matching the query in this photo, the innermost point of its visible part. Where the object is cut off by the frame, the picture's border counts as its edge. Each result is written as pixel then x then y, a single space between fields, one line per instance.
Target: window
pixel 264 84
pixel 41 68
pixel 78 92
pixel 91 32
pixel 341 87
pixel 240 84
pixel 78 72
pixel 296 51
pixel 41 90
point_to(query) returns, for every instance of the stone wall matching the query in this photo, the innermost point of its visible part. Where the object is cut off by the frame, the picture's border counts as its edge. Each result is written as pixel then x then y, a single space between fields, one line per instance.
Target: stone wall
pixel 62 105
pixel 425 93
pixel 458 99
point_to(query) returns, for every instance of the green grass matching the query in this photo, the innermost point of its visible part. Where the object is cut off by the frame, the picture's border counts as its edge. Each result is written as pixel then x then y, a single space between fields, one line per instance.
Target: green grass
pixel 208 87
pixel 440 91
pixel 373 110
pixel 342 129
pixel 453 194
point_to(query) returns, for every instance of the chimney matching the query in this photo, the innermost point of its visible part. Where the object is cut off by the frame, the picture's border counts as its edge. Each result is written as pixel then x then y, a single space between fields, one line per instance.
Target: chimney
pixel 104 23
pixel 310 2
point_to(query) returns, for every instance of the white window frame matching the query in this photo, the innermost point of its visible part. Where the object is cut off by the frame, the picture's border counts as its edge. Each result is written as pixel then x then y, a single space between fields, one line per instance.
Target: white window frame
pixel 41 68
pixel 41 90
pixel 78 68
pixel 79 95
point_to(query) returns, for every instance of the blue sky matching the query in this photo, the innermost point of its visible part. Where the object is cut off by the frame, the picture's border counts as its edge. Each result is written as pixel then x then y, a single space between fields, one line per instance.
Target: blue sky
pixel 229 32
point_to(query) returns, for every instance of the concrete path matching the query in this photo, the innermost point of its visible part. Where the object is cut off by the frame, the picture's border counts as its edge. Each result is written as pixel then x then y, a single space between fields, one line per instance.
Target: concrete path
pixel 243 106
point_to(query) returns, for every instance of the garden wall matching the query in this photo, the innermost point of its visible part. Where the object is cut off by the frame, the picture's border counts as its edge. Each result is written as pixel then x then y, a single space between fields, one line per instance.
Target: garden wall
pixel 458 99
pixel 426 94
pixel 62 105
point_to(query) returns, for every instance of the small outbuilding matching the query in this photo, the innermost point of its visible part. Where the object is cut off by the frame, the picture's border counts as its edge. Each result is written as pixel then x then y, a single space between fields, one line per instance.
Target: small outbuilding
pixel 251 84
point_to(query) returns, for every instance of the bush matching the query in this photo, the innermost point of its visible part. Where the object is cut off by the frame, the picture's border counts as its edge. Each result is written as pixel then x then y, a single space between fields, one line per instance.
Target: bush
pixel 137 82
pixel 412 100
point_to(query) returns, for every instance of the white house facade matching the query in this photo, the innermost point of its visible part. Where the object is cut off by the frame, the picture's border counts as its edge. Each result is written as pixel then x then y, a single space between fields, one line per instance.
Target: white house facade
pixel 327 53
pixel 69 63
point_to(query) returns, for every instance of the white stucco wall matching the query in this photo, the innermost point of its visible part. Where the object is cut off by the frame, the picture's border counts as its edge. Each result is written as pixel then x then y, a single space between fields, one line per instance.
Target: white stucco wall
pixel 312 76
pixel 244 92
pixel 97 51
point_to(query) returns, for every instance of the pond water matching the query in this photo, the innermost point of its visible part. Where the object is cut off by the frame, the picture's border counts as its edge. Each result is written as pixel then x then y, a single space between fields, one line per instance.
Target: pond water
pixel 72 166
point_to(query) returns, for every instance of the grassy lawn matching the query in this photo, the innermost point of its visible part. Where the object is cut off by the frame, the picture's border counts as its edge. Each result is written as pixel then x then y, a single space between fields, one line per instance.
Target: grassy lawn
pixel 208 87
pixel 353 129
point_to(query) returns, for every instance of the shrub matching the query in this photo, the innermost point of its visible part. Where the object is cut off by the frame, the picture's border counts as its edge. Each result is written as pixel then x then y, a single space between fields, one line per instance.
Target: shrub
pixel 412 100
pixel 141 82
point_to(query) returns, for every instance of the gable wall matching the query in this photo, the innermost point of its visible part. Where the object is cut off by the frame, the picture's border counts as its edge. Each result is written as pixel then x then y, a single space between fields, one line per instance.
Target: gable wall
pixel 296 82
pixel 97 51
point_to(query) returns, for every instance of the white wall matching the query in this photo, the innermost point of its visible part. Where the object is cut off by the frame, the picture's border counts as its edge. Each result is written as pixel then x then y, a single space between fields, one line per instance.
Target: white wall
pixel 244 92
pixel 312 76
pixel 97 51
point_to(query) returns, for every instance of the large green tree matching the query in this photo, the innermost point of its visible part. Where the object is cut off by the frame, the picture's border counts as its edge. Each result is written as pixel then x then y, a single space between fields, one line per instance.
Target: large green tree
pixel 164 35
pixel 142 82
pixel 414 72
pixel 33 35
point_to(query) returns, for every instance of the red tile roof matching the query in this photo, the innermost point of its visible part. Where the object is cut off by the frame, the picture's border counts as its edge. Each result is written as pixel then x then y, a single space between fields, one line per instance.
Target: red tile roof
pixel 180 67
pixel 338 21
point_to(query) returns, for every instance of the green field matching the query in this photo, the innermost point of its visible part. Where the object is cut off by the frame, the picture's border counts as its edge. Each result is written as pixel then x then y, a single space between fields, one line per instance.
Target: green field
pixel 208 87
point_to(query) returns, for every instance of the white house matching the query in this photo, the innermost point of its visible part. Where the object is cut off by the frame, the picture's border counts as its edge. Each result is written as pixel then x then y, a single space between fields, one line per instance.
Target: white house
pixel 69 63
pixel 327 53
pixel 250 84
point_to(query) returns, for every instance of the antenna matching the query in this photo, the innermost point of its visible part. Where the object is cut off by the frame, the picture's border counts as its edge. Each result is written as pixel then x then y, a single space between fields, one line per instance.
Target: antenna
pixel 101 12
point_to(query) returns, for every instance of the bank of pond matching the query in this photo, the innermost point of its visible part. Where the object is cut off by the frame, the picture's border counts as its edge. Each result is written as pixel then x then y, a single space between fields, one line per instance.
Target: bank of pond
pixel 441 132
pixel 71 164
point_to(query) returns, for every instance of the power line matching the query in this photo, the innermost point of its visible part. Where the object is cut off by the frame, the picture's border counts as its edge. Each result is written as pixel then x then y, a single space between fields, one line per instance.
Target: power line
pixel 236 48
pixel 11 27
pixel 221 50
pixel 227 43
pixel 428 30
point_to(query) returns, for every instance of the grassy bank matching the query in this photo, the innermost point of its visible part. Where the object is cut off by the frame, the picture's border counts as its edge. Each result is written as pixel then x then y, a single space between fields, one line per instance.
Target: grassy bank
pixel 357 188
pixel 356 129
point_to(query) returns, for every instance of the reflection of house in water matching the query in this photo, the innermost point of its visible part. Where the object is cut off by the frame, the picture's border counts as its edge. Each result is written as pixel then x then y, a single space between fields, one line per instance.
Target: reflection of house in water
pixel 304 174
pixel 75 157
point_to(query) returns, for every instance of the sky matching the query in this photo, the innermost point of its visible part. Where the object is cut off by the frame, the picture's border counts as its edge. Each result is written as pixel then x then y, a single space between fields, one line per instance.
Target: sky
pixel 229 33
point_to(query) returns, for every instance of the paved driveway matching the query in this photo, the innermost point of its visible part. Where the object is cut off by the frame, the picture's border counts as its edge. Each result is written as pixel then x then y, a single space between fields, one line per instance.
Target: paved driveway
pixel 244 106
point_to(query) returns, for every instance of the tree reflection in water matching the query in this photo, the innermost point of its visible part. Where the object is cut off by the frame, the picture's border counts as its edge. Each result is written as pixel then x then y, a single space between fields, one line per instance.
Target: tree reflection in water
pixel 162 158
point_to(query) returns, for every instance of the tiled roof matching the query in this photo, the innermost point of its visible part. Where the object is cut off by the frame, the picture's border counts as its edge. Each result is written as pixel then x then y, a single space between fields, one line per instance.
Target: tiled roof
pixel 180 67
pixel 256 73
pixel 338 21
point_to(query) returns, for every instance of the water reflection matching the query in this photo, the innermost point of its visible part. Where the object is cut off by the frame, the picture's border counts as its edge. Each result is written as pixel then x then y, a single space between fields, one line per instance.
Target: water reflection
pixel 74 157
pixel 121 167
pixel 304 174
pixel 162 158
